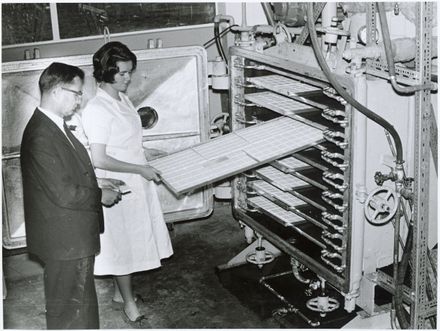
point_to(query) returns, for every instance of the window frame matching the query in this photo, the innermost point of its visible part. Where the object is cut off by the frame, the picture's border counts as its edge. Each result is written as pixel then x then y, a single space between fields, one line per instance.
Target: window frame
pixel 56 39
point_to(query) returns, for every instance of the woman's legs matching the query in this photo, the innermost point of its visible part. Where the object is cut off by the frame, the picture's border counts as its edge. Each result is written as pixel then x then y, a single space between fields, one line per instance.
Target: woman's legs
pixel 125 290
pixel 117 296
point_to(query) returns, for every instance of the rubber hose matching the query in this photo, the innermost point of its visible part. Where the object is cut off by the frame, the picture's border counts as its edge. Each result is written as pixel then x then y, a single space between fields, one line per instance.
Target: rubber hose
pixel 368 113
pixel 218 41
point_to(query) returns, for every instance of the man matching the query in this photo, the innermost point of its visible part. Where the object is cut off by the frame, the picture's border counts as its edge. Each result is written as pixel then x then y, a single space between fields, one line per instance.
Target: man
pixel 62 202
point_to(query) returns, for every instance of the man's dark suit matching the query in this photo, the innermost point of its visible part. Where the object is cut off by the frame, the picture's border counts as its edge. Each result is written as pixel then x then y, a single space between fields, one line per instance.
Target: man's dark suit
pixel 63 216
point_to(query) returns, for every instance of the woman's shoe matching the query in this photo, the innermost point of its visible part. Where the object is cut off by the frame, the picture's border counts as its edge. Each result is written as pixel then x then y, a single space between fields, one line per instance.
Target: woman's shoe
pixel 139 323
pixel 117 305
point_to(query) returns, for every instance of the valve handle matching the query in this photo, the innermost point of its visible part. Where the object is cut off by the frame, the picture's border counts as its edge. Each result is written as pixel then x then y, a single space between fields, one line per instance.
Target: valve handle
pixel 219 125
pixel 381 206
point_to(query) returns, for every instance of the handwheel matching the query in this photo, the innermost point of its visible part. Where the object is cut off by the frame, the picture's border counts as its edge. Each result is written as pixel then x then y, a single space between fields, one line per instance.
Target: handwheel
pixel 381 206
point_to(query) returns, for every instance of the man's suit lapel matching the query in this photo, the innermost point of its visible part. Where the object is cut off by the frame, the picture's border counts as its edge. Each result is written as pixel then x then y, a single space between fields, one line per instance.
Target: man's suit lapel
pixel 80 149
pixel 77 149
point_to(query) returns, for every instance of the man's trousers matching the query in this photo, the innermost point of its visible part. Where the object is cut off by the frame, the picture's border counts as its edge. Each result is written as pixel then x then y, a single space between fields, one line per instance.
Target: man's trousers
pixel 70 292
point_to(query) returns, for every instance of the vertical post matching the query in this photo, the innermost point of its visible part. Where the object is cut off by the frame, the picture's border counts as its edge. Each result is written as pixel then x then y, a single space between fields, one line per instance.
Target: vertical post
pixel 421 162
pixel 371 23
pixel 54 21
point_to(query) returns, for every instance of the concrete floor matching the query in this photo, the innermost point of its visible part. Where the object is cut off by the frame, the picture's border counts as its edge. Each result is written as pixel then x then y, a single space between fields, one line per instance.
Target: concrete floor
pixel 184 293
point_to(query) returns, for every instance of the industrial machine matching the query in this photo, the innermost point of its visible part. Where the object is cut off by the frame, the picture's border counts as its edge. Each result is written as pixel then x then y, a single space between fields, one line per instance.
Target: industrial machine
pixel 348 193
pixel 364 198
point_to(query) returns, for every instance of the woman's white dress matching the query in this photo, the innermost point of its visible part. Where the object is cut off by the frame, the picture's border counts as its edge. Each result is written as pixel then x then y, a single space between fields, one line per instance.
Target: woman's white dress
pixel 135 235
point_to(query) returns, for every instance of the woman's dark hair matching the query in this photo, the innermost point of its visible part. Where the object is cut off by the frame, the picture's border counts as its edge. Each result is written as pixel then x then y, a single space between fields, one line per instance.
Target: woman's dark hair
pixel 58 73
pixel 104 61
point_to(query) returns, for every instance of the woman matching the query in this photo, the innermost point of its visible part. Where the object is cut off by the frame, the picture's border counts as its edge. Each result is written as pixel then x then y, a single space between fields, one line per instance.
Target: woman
pixel 135 235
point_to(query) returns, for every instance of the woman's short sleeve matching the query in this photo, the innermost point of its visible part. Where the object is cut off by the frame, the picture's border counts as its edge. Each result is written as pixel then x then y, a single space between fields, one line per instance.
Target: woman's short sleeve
pixel 97 123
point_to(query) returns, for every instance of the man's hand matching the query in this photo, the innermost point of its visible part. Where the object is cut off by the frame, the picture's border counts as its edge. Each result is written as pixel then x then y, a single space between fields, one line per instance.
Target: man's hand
pixel 110 197
pixel 110 183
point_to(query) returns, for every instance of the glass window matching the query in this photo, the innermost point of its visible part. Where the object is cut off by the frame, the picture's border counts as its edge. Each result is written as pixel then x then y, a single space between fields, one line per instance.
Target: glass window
pixel 88 19
pixel 25 23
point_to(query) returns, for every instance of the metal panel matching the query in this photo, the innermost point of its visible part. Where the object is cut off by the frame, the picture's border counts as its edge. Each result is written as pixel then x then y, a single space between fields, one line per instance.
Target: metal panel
pixel 277 103
pixel 285 182
pixel 236 152
pixel 283 85
pixel 264 188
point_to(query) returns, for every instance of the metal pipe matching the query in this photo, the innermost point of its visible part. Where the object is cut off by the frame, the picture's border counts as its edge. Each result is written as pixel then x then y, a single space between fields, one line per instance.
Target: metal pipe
pixel 390 57
pixel 328 13
pixel 296 273
pixel 243 14
pixel 371 115
pixel 396 240
pixel 359 148
pixel 268 12
pixel 291 308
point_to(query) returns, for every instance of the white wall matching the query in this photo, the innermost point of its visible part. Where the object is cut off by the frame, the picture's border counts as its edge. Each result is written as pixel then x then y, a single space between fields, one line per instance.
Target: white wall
pixel 254 12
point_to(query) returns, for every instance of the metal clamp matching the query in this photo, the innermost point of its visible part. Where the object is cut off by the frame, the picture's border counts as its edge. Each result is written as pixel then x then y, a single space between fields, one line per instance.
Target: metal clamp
pixel 335 227
pixel 328 176
pixel 333 155
pixel 331 235
pixel 333 245
pixel 243 103
pixel 334 112
pixel 343 123
pixel 239 65
pixel 251 210
pixel 332 195
pixel 238 82
pixel 332 255
pixel 331 115
pixel 338 268
pixel 331 92
pixel 340 208
pixel 240 119
pixel 328 220
pixel 328 157
pixel 252 192
pixel 331 135
pixel 332 217
pixel 250 176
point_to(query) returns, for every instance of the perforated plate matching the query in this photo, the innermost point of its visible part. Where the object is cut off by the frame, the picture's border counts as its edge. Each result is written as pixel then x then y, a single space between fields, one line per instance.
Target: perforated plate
pixel 285 106
pixel 285 182
pixel 280 214
pixel 290 164
pixel 266 189
pixel 283 84
pixel 234 153
pixel 278 103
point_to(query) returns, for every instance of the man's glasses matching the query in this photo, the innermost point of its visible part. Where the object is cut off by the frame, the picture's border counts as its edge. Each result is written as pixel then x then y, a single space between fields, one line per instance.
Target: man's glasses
pixel 79 94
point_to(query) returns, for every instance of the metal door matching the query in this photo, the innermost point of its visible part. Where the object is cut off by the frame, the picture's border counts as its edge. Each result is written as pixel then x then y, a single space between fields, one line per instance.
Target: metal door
pixel 173 81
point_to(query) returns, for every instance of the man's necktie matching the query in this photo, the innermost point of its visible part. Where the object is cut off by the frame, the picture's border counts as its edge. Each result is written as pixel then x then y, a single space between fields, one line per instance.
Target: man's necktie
pixel 69 134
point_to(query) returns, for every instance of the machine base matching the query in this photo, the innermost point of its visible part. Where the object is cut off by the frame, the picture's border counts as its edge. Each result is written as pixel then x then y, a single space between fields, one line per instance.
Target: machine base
pixel 244 282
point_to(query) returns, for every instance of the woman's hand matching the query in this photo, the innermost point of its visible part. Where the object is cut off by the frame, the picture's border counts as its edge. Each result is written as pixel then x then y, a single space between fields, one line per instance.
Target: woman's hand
pixel 153 153
pixel 149 173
